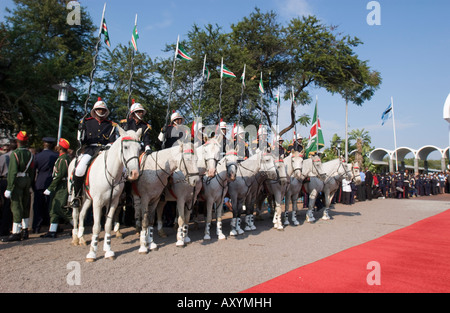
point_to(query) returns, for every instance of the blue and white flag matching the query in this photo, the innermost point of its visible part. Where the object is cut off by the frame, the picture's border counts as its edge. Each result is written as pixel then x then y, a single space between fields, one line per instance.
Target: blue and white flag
pixel 386 114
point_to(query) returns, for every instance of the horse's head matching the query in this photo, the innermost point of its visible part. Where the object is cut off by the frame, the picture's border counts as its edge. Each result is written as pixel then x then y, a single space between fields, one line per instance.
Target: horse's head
pixel 296 164
pixel 188 163
pixel 355 173
pixel 211 156
pixel 282 172
pixel 267 166
pixel 130 148
pixel 317 168
pixel 231 162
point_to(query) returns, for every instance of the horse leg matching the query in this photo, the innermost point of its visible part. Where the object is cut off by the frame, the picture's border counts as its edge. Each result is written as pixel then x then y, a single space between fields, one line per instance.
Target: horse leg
pixel 92 255
pixel 159 220
pixel 278 225
pixel 151 243
pixel 87 203
pixel 235 207
pixel 241 208
pixel 182 227
pixel 117 223
pixel 294 198
pixel 144 225
pixel 75 217
pixel 312 201
pixel 109 254
pixel 328 197
pixel 219 211
pixel 209 205
pixel 286 208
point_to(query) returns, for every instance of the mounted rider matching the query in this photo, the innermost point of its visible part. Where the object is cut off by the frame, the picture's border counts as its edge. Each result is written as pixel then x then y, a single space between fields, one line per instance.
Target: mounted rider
pixel 223 133
pixel 135 121
pixel 261 141
pixel 279 146
pixel 173 132
pixel 296 145
pixel 239 143
pixel 96 133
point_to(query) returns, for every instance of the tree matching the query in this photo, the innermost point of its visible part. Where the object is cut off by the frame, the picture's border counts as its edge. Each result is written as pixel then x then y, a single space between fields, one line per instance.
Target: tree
pixel 40 50
pixel 362 141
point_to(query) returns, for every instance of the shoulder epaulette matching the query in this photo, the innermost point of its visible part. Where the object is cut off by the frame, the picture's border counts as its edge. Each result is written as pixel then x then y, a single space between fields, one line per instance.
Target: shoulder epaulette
pixel 123 121
pixel 149 126
pixel 87 119
pixel 114 124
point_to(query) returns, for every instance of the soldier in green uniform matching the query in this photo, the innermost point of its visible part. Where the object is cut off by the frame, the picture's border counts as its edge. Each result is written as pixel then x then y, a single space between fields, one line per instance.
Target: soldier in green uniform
pixel 58 188
pixel 20 176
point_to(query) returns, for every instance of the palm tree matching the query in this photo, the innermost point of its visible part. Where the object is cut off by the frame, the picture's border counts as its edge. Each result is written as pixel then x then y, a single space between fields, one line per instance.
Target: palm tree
pixel 363 140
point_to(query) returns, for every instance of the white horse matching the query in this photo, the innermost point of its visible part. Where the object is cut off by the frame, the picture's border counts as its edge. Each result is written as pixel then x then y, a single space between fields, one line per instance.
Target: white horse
pixel 299 169
pixel 185 195
pixel 251 174
pixel 336 170
pixel 103 186
pixel 214 191
pixel 275 189
pixel 157 169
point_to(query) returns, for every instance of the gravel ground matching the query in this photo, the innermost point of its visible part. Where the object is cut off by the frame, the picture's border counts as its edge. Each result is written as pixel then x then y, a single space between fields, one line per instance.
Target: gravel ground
pixel 228 266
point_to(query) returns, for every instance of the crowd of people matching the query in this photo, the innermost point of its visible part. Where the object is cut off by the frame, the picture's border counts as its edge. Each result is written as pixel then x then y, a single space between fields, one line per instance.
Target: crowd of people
pixel 398 185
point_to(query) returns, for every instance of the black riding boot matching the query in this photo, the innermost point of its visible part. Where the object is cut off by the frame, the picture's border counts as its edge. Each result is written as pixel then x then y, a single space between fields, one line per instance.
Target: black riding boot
pixel 77 187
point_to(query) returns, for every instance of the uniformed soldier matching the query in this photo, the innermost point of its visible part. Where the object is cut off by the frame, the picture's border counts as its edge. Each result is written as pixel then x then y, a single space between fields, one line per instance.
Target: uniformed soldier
pixel 20 176
pixel 296 145
pixel 281 149
pixel 198 135
pixel 96 133
pixel 135 121
pixel 260 140
pixel 223 132
pixel 240 144
pixel 58 190
pixel 172 133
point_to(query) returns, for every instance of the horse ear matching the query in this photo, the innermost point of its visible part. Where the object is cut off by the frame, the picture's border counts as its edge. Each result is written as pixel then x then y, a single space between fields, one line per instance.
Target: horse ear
pixel 122 132
pixel 139 133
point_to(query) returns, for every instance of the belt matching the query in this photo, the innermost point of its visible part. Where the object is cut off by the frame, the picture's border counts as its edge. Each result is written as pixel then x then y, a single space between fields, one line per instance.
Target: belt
pixel 22 175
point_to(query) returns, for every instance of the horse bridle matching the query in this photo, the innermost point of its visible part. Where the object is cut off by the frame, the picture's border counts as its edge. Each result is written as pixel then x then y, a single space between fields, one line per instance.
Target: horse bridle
pixel 187 175
pixel 124 161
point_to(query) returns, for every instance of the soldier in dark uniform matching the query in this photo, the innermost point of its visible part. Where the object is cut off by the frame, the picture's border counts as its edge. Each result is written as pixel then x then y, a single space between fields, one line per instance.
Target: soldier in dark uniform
pixel 382 182
pixel 296 145
pixel 135 121
pixel 6 215
pixel 172 133
pixel 20 176
pixel 239 143
pixel 399 185
pixel 58 190
pixel 96 133
pixel 223 133
pixel 258 142
pixel 44 162
pixel 369 184
pixel 281 149
pixel 406 182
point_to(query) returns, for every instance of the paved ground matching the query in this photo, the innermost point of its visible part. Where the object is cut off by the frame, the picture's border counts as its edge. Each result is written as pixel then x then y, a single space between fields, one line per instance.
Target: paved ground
pixel 232 265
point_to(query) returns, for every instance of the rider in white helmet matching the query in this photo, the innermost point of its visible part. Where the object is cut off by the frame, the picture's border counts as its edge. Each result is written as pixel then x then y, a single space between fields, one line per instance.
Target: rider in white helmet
pixel 239 142
pixel 170 134
pixel 279 146
pixel 198 133
pixel 135 121
pixel 96 133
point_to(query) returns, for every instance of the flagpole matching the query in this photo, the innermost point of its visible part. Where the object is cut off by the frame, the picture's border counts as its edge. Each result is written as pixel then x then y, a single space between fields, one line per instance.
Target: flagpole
pixel 295 112
pixel 171 81
pixel 261 101
pixel 201 86
pixel 131 70
pixel 242 95
pixel 220 95
pixel 101 23
pixel 278 109
pixel 317 124
pixel 395 137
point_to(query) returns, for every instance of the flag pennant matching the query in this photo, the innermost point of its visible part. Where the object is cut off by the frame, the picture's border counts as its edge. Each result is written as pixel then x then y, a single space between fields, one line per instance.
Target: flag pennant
pixel 386 114
pixel 316 141
pixel 277 97
pixel 261 86
pixel 226 72
pixel 134 38
pixel 105 33
pixel 182 55
pixel 243 77
pixel 206 72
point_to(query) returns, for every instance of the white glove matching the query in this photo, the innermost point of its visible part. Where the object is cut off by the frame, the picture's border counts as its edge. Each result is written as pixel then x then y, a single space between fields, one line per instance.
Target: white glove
pixel 47 192
pixel 7 194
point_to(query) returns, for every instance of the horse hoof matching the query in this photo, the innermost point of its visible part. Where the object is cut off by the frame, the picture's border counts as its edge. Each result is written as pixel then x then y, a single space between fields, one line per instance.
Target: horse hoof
pixel 143 250
pixel 222 237
pixel 90 260
pixel 153 246
pixel 75 242
pixel 161 233
pixel 180 244
pixel 187 240
pixel 119 235
pixel 207 237
pixel 82 242
pixel 110 255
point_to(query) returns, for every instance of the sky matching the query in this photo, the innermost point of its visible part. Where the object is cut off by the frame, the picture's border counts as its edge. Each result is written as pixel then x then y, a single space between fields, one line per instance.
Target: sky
pixel 410 48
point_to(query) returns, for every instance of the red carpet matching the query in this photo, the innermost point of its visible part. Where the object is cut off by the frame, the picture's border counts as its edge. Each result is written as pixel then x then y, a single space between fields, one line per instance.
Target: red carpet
pixel 415 259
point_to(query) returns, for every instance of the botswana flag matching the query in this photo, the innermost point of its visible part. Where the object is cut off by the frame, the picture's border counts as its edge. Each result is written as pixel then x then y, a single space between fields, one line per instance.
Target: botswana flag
pixel 386 114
